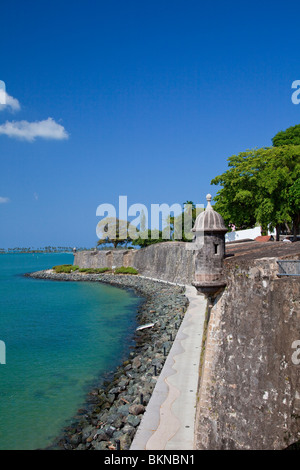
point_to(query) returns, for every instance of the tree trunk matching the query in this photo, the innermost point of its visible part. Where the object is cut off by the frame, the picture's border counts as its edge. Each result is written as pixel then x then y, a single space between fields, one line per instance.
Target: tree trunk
pixel 295 227
pixel 277 232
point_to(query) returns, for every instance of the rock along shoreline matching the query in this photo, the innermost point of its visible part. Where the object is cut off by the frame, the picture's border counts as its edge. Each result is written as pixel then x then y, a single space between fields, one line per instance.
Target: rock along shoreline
pixel 114 410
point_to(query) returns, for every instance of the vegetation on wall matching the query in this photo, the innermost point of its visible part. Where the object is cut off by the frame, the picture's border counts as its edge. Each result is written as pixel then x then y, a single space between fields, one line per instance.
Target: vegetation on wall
pixel 94 270
pixel 65 268
pixel 69 268
pixel 125 270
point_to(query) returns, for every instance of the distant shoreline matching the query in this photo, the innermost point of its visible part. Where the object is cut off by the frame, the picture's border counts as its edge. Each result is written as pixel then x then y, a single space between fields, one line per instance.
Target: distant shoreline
pixel 24 251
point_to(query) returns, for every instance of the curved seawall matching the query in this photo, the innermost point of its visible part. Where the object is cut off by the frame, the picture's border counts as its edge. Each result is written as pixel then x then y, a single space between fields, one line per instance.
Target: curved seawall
pixel 168 261
pixel 248 395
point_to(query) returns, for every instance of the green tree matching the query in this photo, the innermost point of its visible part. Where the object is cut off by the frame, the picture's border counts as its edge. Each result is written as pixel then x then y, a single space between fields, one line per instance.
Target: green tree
pixel 178 228
pixel 147 238
pixel 294 194
pixel 257 188
pixel 113 231
pixel 290 136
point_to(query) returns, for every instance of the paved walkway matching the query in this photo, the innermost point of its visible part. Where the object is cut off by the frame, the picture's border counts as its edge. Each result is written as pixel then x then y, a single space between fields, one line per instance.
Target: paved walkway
pixel 169 420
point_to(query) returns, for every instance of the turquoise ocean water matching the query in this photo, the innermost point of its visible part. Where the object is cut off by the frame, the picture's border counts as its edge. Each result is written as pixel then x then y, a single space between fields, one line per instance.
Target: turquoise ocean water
pixel 60 337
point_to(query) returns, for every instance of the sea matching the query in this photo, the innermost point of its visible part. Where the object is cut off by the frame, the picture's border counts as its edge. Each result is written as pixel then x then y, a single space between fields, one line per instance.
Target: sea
pixel 58 339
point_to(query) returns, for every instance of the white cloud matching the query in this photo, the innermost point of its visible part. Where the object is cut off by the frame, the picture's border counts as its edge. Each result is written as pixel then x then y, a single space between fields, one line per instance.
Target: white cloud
pixel 47 129
pixel 4 200
pixel 9 102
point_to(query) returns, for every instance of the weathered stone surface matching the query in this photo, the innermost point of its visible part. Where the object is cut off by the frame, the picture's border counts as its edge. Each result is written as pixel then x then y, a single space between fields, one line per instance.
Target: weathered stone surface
pixel 99 445
pixel 125 442
pixel 101 435
pixel 136 409
pixel 133 420
pixel 168 261
pixel 249 395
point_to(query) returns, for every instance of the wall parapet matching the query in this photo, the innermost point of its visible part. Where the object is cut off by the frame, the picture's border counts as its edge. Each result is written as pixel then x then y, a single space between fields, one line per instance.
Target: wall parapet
pixel 168 261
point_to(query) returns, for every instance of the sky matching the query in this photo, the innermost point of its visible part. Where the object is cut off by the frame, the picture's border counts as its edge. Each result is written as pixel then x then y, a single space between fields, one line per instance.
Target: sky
pixel 144 99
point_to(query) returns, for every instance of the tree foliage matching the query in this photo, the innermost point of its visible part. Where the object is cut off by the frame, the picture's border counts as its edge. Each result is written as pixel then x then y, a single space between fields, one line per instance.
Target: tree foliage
pixel 290 136
pixel 261 186
pixel 147 238
pixel 181 225
pixel 176 228
pixel 114 231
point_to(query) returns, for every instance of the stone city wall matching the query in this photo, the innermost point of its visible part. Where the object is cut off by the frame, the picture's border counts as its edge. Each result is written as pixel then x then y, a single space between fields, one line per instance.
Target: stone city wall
pixel 249 396
pixel 249 386
pixel 168 261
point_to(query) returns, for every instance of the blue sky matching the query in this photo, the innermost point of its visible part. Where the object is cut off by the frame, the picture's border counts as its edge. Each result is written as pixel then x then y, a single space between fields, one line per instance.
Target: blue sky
pixel 146 99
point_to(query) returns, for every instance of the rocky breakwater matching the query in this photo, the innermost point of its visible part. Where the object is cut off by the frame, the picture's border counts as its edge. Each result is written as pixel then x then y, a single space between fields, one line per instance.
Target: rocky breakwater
pixel 114 409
